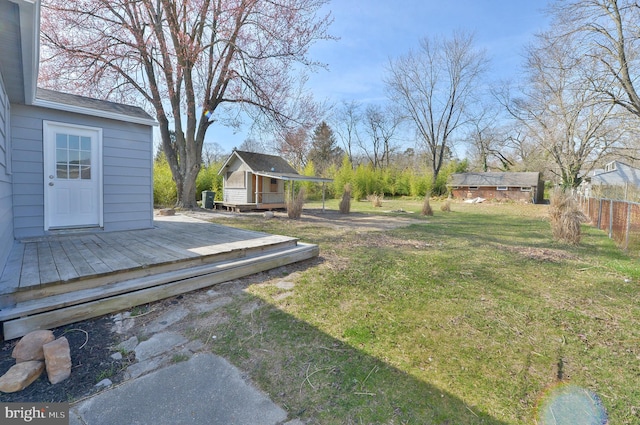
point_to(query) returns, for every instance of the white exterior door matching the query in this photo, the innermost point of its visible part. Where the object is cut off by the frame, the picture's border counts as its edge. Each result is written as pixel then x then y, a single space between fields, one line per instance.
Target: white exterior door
pixel 72 176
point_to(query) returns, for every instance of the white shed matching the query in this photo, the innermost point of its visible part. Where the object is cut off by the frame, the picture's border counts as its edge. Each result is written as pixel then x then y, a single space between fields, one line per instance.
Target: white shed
pixel 257 181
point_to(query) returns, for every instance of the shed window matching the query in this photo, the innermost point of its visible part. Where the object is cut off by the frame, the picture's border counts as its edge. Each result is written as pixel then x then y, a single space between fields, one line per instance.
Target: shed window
pixel 473 187
pixel 526 188
pixel 274 185
pixel 502 188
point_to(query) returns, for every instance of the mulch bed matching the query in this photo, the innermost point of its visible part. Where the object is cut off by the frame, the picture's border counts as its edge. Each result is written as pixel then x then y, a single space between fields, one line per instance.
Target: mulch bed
pixel 90 343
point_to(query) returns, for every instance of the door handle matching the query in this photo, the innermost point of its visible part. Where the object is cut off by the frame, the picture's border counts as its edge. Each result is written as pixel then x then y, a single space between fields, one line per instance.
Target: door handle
pixel 50 183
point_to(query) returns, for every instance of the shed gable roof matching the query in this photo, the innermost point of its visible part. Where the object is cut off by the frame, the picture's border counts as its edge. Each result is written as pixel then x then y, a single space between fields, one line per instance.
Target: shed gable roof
pixel 516 179
pixel 260 162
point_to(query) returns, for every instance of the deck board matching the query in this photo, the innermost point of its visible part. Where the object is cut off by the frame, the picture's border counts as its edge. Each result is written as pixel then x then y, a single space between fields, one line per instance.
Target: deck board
pixel 97 265
pixel 10 280
pixel 65 267
pixel 30 272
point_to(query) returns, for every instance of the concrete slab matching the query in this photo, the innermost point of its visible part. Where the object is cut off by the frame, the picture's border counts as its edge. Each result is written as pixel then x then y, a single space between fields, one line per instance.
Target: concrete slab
pixel 202 391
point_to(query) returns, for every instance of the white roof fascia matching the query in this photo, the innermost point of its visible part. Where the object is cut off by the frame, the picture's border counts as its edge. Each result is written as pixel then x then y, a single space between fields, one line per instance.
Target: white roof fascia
pixel 30 44
pixel 93 112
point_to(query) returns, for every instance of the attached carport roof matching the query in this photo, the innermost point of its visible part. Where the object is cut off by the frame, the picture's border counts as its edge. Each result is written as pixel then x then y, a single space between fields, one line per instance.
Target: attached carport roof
pixel 293 177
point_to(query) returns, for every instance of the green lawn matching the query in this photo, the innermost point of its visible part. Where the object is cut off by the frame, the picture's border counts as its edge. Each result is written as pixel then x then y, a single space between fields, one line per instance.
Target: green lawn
pixel 465 317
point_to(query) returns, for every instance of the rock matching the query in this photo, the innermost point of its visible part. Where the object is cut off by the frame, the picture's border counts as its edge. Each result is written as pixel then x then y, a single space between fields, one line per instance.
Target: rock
pixel 123 322
pixel 57 357
pixel 168 318
pixel 116 356
pixel 104 383
pixel 167 211
pixel 21 376
pixel 128 345
pixel 30 346
pixel 285 284
pixel 269 214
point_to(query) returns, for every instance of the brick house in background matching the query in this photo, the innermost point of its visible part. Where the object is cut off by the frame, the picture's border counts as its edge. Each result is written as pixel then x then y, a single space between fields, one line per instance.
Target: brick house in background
pixel 517 186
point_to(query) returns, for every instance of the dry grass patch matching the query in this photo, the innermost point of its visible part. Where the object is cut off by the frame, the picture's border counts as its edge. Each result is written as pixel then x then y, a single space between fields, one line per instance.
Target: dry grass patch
pixel 426 207
pixel 294 207
pixel 345 202
pixel 376 200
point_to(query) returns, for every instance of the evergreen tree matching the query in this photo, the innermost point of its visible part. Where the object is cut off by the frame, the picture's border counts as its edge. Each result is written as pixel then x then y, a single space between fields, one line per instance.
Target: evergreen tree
pixel 325 151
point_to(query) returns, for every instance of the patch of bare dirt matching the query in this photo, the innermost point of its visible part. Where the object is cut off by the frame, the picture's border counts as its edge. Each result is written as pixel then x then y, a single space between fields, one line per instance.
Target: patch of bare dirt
pixel 539 254
pixel 327 218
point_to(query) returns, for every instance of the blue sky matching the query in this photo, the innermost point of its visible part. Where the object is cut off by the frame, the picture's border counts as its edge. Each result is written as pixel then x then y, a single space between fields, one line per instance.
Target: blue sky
pixel 371 32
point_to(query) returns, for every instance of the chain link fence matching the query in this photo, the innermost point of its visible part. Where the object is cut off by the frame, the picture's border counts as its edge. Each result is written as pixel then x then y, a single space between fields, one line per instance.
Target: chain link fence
pixel 621 219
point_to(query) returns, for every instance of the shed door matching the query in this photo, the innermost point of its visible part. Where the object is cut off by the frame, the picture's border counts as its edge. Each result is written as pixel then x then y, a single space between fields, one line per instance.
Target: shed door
pixel 72 176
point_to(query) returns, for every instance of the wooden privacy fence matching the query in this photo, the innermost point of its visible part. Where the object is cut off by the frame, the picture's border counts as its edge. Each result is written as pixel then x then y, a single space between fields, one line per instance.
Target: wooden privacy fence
pixel 621 219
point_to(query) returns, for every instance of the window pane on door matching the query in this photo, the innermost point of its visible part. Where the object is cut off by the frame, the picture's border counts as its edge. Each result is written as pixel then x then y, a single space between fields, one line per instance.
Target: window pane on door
pixel 73 157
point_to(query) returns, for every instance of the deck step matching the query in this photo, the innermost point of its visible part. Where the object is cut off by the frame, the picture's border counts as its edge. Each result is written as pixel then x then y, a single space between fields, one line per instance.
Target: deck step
pixel 61 309
pixel 215 255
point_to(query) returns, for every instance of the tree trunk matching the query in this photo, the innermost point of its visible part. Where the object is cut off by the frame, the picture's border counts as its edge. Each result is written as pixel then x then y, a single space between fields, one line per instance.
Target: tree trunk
pixel 187 189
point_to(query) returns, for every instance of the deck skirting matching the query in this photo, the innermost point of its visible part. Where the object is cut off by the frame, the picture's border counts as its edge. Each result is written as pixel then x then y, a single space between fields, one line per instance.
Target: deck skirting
pixel 62 279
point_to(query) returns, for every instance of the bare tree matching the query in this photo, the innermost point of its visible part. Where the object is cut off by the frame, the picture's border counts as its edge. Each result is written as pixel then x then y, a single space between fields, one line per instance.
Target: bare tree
pixel 346 121
pixel 294 147
pixel 434 87
pixel 211 153
pixel 189 60
pixel 381 125
pixel 251 144
pixel 608 32
pixel 561 110
pixel 489 141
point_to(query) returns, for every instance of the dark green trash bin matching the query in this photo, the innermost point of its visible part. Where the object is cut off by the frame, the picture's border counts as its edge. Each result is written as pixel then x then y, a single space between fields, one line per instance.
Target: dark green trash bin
pixel 207 199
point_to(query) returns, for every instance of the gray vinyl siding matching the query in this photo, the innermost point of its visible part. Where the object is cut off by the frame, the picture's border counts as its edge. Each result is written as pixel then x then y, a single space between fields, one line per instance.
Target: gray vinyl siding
pixel 6 202
pixel 127 155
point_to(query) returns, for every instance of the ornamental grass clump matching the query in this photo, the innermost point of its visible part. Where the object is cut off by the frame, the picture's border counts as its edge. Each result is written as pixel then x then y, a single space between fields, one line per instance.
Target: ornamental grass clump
pixel 566 217
pixel 375 199
pixel 294 206
pixel 446 207
pixel 426 206
pixel 345 203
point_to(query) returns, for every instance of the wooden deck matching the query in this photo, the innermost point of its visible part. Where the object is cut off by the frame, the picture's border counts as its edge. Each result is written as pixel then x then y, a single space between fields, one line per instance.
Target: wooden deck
pixel 61 279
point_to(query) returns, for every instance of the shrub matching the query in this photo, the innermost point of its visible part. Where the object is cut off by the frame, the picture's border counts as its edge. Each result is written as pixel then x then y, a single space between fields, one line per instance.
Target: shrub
pixel 294 206
pixel 207 180
pixel 566 217
pixel 420 184
pixel 164 188
pixel 426 206
pixel 343 175
pixel 366 182
pixel 345 203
